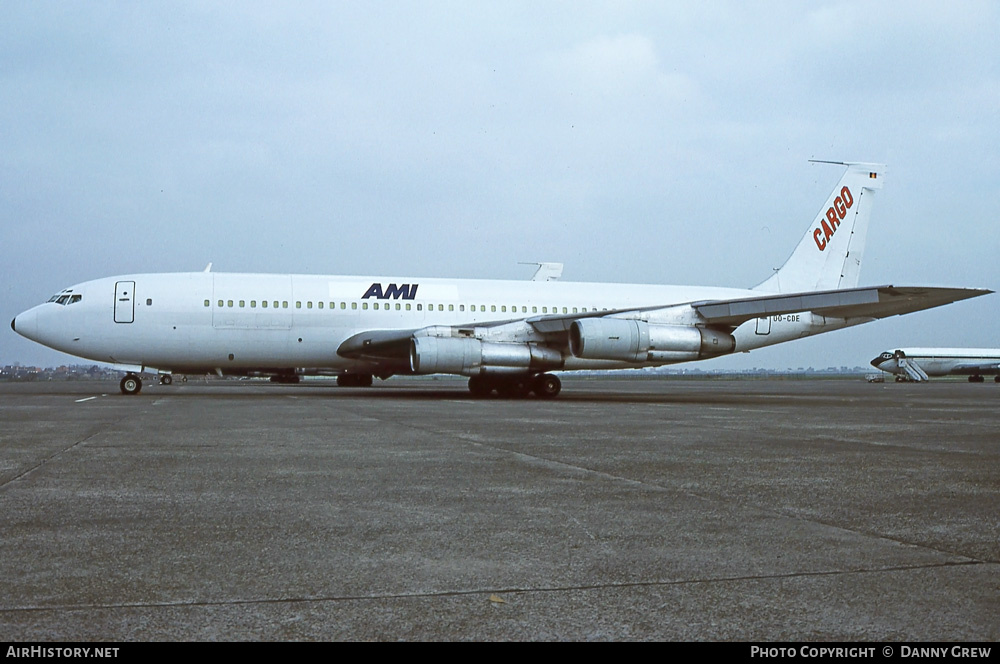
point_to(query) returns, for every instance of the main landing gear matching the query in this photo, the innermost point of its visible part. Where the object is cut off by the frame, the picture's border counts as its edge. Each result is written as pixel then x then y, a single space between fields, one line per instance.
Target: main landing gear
pixel 354 380
pixel 131 384
pixel 543 386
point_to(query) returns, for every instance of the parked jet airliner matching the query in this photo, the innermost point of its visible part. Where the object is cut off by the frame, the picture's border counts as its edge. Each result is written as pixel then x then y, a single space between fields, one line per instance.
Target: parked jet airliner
pixel 919 364
pixel 505 336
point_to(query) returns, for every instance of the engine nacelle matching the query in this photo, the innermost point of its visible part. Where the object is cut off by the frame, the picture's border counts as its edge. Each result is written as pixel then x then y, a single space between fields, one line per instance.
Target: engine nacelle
pixel 637 341
pixel 472 357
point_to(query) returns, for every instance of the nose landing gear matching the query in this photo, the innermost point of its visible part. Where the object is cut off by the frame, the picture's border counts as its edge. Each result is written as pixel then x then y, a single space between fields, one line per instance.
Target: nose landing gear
pixel 131 384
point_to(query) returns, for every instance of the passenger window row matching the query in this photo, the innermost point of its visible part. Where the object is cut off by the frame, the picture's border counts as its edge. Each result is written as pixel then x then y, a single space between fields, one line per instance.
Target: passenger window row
pixel 397 306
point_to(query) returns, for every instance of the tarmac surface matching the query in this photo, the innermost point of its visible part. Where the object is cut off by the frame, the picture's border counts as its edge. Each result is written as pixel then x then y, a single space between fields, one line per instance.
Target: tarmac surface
pixel 802 510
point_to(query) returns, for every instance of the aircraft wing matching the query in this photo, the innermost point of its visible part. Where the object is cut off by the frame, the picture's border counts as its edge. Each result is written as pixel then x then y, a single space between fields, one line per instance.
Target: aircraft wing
pixel 871 302
pixel 868 302
pixel 379 345
pixel 970 368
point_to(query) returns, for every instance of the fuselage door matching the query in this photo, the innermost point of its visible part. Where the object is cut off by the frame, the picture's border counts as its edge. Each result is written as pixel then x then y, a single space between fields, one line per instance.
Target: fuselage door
pixel 124 301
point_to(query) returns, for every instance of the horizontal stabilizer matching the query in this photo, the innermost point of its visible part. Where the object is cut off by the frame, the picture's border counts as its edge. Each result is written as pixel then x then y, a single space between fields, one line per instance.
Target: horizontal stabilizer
pixel 546 271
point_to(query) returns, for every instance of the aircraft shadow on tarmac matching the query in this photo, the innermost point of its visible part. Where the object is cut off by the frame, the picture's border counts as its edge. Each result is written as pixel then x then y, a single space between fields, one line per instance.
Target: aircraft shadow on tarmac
pixel 665 392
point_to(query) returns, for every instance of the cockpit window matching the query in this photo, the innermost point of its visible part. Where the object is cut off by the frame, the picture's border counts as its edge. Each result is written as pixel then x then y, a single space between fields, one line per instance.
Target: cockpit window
pixel 75 298
pixel 63 297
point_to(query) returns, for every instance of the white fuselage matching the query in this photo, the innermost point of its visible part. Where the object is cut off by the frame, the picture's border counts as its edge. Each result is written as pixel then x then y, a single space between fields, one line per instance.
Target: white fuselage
pixel 505 336
pixel 203 321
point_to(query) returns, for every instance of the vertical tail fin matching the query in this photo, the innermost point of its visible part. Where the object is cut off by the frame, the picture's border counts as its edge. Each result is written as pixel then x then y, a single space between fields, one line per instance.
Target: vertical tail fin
pixel 829 255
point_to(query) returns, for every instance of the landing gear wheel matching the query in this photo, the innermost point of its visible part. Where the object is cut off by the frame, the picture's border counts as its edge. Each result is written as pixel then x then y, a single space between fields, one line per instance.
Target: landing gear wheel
pixel 514 389
pixel 354 380
pixel 976 379
pixel 480 387
pixel 131 384
pixel 166 379
pixel 547 386
pixel 996 379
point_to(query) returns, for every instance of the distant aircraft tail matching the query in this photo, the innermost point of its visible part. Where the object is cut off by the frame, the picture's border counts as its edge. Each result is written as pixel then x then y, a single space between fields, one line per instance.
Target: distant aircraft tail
pixel 829 255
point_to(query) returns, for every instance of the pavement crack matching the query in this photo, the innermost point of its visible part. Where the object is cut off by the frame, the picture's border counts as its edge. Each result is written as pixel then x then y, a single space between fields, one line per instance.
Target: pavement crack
pixel 535 459
pixel 508 590
pixel 55 455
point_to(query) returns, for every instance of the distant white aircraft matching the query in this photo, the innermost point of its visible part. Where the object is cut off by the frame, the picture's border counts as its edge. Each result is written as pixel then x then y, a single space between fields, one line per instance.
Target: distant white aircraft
pixel 506 336
pixel 919 364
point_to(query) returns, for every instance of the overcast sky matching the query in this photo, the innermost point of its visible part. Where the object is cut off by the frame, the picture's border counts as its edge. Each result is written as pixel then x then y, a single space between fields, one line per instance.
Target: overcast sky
pixel 647 142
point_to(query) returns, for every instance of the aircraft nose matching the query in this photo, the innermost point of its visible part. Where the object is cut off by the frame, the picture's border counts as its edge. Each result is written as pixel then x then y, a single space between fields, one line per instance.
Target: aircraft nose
pixel 25 324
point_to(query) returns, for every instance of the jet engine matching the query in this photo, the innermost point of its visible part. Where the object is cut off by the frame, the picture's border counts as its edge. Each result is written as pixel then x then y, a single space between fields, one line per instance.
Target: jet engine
pixel 637 341
pixel 472 357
